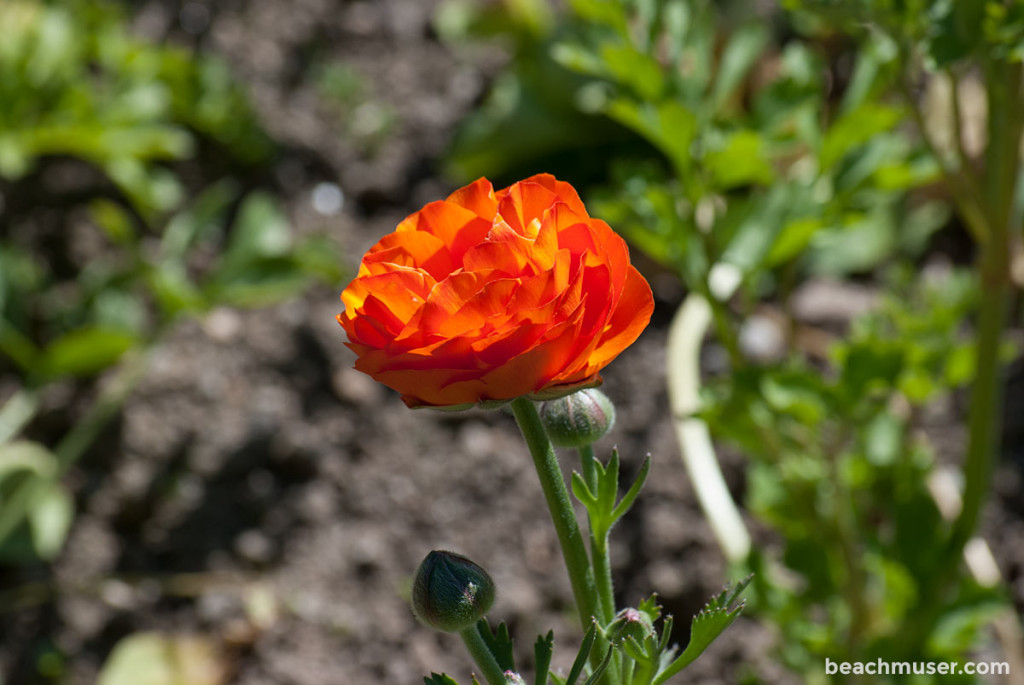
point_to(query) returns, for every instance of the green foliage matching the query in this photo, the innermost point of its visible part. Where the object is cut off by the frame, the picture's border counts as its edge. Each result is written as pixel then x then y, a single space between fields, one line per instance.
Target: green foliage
pixel 784 159
pixel 839 474
pixel 76 85
pixel 602 510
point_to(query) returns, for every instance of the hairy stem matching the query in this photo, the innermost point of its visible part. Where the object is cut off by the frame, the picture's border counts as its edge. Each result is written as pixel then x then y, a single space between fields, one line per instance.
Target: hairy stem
pixel 482 655
pixel 581 575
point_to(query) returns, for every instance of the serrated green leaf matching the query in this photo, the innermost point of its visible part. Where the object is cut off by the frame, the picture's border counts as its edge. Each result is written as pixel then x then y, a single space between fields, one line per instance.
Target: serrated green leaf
pixel 438 679
pixel 542 651
pixel 711 622
pixel 499 643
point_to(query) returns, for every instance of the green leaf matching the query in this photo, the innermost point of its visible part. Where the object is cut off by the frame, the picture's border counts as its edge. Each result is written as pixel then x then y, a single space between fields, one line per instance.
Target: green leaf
pixel 741 160
pixel 174 292
pixel 49 518
pixel 711 622
pixel 603 12
pixel 204 214
pixel 439 679
pixel 792 240
pixel 743 50
pixel 595 677
pixel 582 655
pixel 260 231
pixel 883 439
pixel 85 351
pixel 499 643
pixel 668 125
pixel 634 69
pixel 627 500
pixel 114 221
pixel 542 651
pixel 25 455
pixel 160 659
pixel 855 128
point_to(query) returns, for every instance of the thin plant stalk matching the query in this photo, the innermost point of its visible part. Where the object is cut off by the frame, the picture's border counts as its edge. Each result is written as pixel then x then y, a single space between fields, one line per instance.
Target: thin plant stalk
pixel 599 548
pixel 482 655
pixel 581 574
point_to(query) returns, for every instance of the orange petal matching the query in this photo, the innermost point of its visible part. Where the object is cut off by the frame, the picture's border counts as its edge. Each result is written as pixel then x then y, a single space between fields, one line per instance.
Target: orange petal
pixel 525 202
pixel 628 321
pixel 477 197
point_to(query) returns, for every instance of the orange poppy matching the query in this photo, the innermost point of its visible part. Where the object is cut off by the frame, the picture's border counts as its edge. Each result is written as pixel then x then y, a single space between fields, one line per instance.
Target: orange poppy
pixel 491 295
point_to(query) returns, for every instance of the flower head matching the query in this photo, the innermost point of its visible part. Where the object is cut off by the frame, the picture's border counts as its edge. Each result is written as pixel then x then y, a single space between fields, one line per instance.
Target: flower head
pixel 491 295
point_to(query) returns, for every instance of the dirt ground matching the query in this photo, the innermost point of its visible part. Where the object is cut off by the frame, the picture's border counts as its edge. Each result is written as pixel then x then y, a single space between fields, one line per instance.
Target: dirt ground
pixel 259 490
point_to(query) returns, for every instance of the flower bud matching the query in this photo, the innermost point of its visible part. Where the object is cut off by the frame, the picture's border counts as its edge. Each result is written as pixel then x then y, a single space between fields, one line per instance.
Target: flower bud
pixel 629 623
pixel 579 419
pixel 450 592
pixel 512 678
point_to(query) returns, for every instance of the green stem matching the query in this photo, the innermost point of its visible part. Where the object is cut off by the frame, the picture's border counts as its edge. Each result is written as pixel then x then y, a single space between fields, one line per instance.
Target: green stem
pixel 602 565
pixel 1002 166
pixel 581 575
pixel 958 180
pixel 482 655
pixel 598 547
pixel 985 414
pixel 587 467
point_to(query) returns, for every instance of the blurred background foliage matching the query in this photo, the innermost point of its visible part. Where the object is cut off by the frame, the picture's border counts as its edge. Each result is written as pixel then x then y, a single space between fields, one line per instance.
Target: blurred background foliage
pixel 747 149
pixel 133 181
pixel 744 148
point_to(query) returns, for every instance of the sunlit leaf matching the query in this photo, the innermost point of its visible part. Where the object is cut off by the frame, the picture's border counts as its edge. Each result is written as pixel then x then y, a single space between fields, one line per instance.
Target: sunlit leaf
pixel 85 351
pixel 164 659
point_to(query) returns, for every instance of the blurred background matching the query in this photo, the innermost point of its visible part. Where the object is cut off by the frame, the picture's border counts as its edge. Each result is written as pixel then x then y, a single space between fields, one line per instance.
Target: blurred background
pixel 197 488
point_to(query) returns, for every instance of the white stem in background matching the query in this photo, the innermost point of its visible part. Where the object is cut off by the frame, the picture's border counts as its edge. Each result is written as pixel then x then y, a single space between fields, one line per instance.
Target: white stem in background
pixel 698 453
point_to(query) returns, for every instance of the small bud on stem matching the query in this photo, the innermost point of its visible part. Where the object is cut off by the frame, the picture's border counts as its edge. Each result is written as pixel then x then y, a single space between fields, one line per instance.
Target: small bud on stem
pixel 450 592
pixel 579 419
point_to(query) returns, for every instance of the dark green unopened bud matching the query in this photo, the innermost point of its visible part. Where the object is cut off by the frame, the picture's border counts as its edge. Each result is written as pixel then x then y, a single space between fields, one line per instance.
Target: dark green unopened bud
pixel 450 592
pixel 579 419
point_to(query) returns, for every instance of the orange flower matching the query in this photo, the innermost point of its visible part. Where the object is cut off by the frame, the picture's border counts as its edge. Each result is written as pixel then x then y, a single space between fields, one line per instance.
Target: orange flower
pixel 488 296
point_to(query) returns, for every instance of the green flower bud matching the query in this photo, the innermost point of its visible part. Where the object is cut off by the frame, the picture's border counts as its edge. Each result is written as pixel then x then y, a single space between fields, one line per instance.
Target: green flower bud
pixel 629 623
pixel 450 592
pixel 513 678
pixel 579 419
